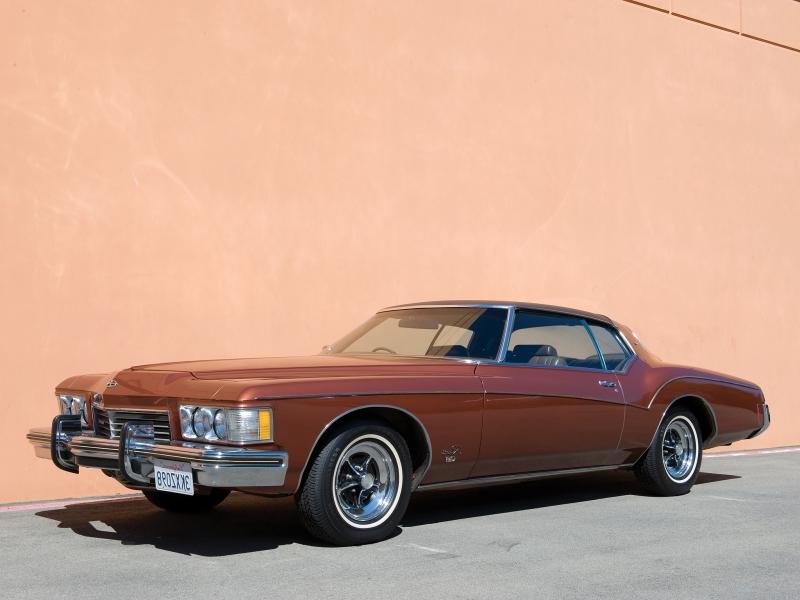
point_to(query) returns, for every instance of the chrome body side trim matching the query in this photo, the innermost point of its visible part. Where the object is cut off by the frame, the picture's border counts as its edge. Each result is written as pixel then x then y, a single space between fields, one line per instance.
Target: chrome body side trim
pixel 214 466
pixel 501 355
pixel 600 355
pixel 416 477
pixel 699 378
pixel 626 366
pixel 517 478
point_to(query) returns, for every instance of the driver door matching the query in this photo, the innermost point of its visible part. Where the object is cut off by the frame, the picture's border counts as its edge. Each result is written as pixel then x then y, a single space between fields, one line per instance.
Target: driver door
pixel 550 405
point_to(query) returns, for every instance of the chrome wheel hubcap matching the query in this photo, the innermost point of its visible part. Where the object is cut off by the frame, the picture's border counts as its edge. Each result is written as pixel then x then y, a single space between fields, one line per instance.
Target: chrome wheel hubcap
pixel 366 481
pixel 679 449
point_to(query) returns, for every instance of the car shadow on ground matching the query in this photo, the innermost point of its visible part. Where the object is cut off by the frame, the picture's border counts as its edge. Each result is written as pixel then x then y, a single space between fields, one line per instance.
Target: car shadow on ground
pixel 246 523
pixel 437 506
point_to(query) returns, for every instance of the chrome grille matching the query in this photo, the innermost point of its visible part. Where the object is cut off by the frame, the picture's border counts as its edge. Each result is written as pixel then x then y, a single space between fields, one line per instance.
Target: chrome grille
pixel 109 423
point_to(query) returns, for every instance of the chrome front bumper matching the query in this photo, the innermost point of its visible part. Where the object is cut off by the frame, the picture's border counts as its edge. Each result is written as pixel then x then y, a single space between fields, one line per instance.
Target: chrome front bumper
pixel 133 455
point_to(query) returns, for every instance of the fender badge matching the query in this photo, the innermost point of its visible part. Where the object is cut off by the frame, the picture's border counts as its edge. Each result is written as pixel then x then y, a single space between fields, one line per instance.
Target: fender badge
pixel 450 453
pixel 111 383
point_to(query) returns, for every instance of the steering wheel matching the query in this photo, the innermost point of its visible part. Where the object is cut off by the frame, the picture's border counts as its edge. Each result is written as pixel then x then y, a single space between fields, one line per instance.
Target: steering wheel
pixel 383 349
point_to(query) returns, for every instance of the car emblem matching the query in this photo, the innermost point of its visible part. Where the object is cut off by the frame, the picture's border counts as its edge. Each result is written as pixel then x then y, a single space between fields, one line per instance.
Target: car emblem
pixel 111 383
pixel 450 453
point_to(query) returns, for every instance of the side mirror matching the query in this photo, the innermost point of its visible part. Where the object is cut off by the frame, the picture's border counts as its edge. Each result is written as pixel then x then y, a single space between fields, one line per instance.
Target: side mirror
pixel 327 349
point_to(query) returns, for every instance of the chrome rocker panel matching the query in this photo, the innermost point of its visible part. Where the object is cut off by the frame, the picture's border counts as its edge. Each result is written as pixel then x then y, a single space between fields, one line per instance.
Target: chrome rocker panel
pixel 213 466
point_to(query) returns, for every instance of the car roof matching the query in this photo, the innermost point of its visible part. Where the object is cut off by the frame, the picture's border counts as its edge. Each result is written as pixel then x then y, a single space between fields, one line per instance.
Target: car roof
pixel 574 312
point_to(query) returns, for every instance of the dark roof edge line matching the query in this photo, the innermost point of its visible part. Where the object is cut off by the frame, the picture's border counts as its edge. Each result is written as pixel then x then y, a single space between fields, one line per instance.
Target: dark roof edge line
pixel 575 312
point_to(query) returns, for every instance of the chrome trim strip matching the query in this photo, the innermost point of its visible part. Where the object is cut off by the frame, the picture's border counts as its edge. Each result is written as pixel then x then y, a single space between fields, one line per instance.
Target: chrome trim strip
pixel 382 393
pixel 563 369
pixel 494 396
pixel 600 355
pixel 506 479
pixel 699 378
pixel 501 355
pixel 459 359
pixel 162 411
pixel 95 447
pixel 416 477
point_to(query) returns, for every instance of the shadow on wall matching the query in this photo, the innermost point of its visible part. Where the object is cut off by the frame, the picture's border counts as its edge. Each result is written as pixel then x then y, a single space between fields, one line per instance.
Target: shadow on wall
pixel 246 523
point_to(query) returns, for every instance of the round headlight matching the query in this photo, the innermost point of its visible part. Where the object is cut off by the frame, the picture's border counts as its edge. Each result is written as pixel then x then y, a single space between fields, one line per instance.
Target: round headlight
pixel 203 422
pixel 187 412
pixel 220 424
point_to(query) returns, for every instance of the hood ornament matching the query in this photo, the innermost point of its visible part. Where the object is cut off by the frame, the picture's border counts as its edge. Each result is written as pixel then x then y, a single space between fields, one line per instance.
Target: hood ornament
pixel 112 383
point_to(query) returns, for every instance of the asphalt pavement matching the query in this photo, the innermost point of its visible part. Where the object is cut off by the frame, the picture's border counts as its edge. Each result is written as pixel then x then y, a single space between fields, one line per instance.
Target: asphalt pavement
pixel 736 535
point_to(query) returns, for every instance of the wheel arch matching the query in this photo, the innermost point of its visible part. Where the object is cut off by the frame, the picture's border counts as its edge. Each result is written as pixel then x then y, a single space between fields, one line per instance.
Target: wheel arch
pixel 403 421
pixel 702 411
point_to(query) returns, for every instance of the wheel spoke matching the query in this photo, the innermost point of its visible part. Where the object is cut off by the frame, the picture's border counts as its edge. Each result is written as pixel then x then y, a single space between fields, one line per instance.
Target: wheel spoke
pixel 349 465
pixel 365 465
pixel 348 486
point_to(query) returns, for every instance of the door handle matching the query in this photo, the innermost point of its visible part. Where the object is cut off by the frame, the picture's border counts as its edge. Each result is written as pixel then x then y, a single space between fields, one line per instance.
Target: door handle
pixel 607 383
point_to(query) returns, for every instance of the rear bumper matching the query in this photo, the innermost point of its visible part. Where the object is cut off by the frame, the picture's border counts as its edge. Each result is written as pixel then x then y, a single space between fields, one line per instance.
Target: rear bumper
pixel 764 410
pixel 133 455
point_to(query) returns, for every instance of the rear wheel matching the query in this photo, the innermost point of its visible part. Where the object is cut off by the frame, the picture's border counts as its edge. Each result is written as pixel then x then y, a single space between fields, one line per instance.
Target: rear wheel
pixel 672 462
pixel 358 486
pixel 186 504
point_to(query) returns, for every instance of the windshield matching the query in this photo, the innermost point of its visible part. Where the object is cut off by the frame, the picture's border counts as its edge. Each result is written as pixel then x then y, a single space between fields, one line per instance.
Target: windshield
pixel 459 332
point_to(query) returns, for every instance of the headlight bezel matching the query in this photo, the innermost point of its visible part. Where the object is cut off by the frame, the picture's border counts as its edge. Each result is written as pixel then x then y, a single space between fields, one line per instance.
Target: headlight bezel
pixel 227 425
pixel 74 403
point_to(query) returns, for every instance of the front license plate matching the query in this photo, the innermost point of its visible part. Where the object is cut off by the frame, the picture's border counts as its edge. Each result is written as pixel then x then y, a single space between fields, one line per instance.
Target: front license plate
pixel 174 477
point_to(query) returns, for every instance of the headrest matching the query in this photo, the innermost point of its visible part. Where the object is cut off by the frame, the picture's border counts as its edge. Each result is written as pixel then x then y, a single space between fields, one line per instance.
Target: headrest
pixel 525 352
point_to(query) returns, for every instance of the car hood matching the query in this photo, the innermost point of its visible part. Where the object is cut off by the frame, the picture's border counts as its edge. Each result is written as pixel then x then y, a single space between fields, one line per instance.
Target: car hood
pixel 323 366
pixel 290 377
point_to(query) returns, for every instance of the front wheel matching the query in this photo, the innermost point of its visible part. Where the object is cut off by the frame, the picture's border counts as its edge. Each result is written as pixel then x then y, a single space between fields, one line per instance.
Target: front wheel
pixel 186 504
pixel 358 486
pixel 672 462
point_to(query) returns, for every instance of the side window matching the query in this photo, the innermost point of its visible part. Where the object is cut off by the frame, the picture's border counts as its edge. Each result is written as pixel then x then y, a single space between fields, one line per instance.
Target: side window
pixel 610 346
pixel 551 341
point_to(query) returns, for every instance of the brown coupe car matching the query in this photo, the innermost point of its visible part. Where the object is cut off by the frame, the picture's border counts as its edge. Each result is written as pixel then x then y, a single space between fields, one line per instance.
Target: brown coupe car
pixel 422 396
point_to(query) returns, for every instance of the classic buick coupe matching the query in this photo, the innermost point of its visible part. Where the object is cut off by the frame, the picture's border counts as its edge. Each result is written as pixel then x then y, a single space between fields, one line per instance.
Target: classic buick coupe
pixel 421 396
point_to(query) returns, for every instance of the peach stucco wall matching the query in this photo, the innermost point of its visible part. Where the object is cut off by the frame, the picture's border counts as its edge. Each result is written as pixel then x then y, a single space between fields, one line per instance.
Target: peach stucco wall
pixel 209 179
